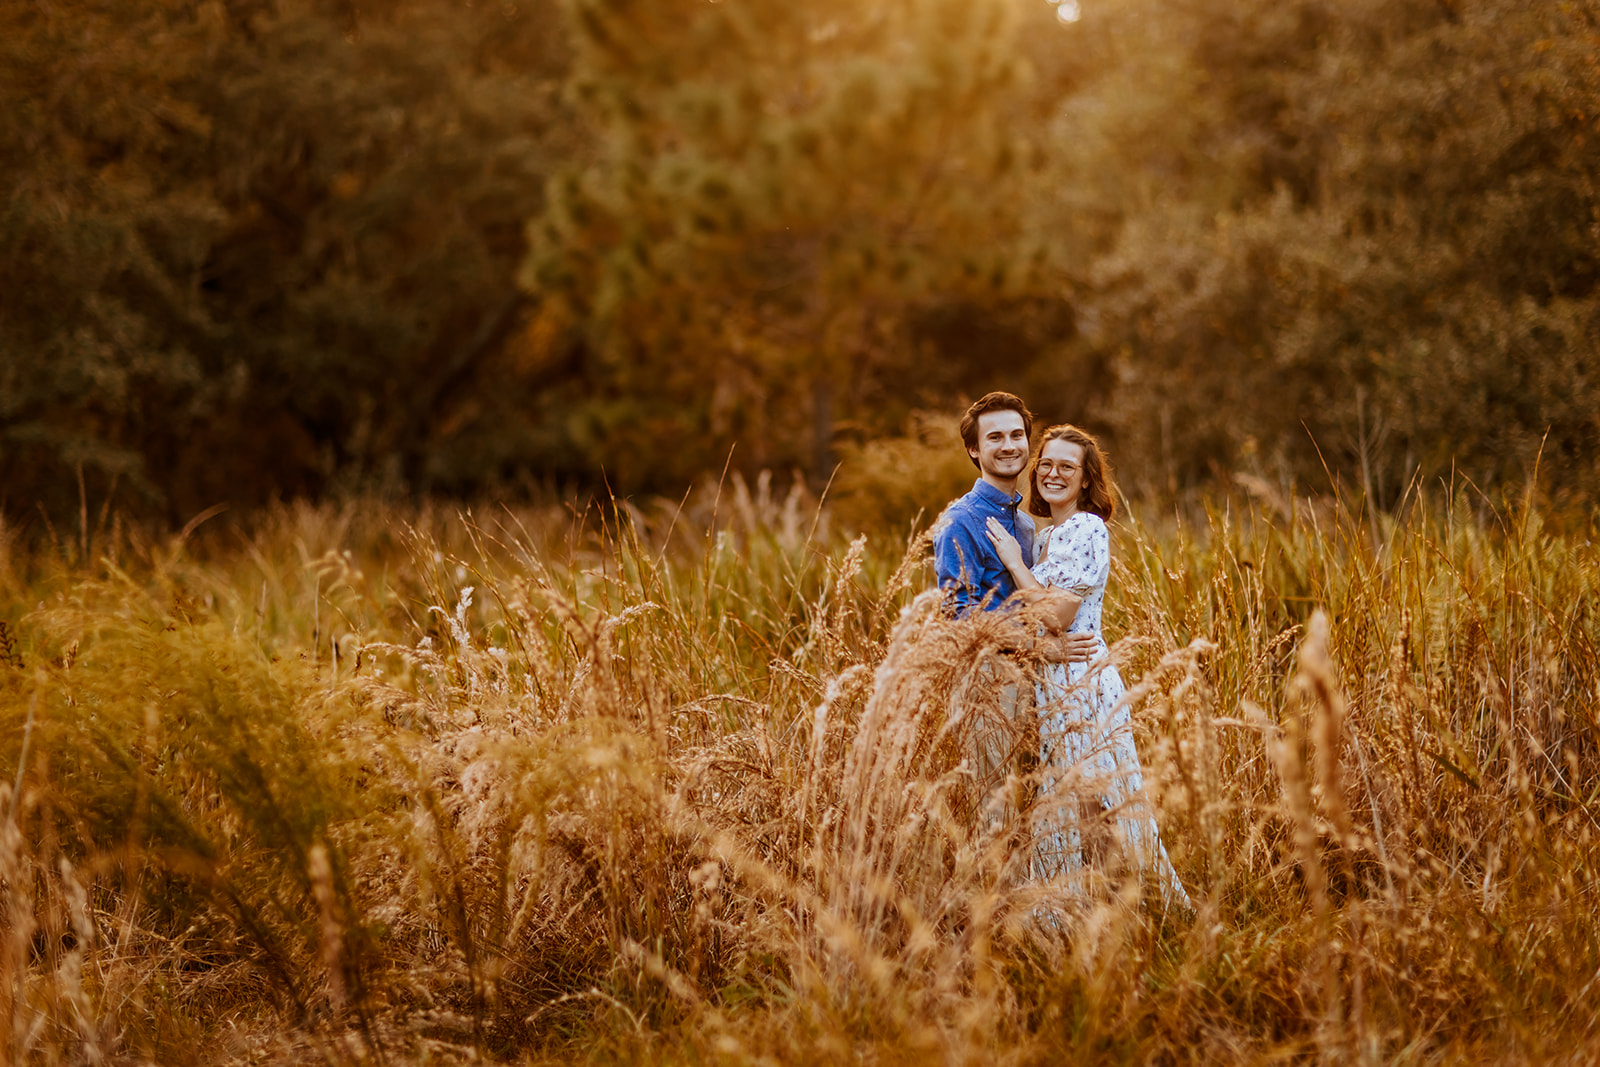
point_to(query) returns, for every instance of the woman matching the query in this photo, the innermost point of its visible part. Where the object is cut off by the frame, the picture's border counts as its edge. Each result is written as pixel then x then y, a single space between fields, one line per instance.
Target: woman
pixel 1089 767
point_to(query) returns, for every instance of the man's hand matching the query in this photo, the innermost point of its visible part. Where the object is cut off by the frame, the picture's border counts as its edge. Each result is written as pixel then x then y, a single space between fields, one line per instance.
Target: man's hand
pixel 1052 611
pixel 1069 648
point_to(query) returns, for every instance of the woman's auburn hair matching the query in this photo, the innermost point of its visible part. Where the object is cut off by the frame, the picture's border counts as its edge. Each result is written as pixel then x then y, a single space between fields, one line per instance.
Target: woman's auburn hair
pixel 1099 493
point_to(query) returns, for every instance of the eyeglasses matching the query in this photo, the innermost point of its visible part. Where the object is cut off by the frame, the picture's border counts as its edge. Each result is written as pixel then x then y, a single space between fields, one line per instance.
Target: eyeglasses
pixel 1050 467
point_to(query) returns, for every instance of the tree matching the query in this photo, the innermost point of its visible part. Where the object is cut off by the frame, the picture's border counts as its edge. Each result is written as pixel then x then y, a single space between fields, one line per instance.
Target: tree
pixel 1372 225
pixel 784 198
pixel 259 247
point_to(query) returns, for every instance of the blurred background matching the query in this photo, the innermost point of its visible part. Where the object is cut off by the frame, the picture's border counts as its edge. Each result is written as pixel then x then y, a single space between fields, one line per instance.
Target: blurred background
pixel 261 249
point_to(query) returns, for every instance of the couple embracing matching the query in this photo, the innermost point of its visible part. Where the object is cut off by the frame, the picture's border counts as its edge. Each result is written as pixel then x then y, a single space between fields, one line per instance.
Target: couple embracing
pixel 1090 807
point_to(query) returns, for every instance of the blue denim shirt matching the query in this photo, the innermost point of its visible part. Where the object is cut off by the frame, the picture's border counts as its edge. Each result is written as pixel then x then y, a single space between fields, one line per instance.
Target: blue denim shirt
pixel 965 561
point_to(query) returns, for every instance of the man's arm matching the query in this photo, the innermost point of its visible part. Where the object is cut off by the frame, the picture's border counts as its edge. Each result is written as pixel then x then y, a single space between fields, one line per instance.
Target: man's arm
pixel 955 562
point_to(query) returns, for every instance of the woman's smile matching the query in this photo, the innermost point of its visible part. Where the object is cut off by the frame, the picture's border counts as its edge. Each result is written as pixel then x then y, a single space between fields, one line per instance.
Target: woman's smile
pixel 1060 472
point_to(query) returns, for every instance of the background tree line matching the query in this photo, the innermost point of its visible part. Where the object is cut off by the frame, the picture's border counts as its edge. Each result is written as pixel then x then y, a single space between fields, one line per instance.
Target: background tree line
pixel 251 247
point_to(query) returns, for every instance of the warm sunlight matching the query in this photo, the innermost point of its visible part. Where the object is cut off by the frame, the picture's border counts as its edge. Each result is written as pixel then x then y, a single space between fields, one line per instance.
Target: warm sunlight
pixel 773 533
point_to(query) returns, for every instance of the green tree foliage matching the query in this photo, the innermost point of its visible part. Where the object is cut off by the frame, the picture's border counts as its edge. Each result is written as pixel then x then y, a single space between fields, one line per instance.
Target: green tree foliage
pixel 262 246
pixel 1372 224
pixel 793 207
pixel 249 246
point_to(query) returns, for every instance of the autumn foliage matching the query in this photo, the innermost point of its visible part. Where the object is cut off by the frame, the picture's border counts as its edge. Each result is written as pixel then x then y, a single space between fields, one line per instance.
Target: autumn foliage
pixel 256 248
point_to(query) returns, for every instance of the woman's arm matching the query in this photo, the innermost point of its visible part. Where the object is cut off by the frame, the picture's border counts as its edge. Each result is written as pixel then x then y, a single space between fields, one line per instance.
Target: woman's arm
pixel 1056 608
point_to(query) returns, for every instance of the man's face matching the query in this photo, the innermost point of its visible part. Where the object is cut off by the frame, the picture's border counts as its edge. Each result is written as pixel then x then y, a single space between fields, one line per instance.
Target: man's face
pixel 1002 449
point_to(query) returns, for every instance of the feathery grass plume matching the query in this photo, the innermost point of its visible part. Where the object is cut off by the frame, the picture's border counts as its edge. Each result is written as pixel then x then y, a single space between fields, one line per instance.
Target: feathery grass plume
pixel 683 781
pixel 10 651
pixel 1315 689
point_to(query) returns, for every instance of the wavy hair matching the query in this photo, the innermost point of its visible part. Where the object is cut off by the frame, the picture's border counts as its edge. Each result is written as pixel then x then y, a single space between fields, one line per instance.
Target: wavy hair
pixel 1099 493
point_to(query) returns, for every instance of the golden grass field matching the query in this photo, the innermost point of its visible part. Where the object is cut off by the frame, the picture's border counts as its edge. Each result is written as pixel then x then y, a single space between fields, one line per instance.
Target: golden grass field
pixel 385 784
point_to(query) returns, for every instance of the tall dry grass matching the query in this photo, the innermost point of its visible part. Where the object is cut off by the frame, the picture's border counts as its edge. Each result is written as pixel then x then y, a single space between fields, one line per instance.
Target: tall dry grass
pixel 688 784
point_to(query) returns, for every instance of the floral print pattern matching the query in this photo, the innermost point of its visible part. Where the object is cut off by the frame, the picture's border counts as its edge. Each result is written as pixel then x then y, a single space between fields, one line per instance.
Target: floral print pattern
pixel 1091 778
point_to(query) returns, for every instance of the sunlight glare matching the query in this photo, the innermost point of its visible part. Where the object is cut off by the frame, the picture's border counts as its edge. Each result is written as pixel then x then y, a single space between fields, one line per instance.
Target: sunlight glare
pixel 1069 11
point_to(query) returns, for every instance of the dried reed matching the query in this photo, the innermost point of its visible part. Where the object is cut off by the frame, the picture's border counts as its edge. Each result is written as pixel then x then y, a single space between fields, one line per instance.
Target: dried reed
pixel 694 784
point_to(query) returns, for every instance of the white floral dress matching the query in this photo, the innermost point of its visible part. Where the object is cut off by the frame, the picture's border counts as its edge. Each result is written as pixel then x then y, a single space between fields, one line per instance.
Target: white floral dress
pixel 1087 759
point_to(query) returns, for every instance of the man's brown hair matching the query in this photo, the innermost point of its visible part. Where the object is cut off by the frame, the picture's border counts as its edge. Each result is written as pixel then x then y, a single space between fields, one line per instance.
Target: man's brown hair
pixel 996 401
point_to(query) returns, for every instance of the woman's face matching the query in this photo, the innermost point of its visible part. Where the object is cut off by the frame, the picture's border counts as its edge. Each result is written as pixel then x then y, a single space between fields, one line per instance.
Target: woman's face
pixel 1060 473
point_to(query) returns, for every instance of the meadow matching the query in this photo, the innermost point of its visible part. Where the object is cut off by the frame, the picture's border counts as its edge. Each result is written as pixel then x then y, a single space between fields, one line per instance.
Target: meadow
pixel 684 782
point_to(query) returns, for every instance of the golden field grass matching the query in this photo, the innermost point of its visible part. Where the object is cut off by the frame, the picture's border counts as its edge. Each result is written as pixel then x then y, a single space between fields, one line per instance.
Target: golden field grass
pixel 398 785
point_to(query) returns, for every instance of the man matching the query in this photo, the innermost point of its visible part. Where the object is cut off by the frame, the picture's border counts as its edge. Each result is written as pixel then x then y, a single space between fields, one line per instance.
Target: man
pixel 995 432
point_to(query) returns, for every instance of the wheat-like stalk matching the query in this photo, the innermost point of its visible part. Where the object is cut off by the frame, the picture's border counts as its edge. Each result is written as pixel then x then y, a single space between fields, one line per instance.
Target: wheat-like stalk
pixel 698 782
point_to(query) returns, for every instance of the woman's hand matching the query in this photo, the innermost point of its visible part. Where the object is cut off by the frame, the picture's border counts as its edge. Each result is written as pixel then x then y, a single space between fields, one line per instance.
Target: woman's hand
pixel 1005 546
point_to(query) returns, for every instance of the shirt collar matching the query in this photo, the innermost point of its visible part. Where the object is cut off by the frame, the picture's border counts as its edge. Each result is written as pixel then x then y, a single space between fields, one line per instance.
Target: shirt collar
pixel 995 496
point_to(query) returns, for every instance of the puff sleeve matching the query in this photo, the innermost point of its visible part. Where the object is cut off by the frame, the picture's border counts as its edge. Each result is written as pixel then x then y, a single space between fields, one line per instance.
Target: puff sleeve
pixel 1080 555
